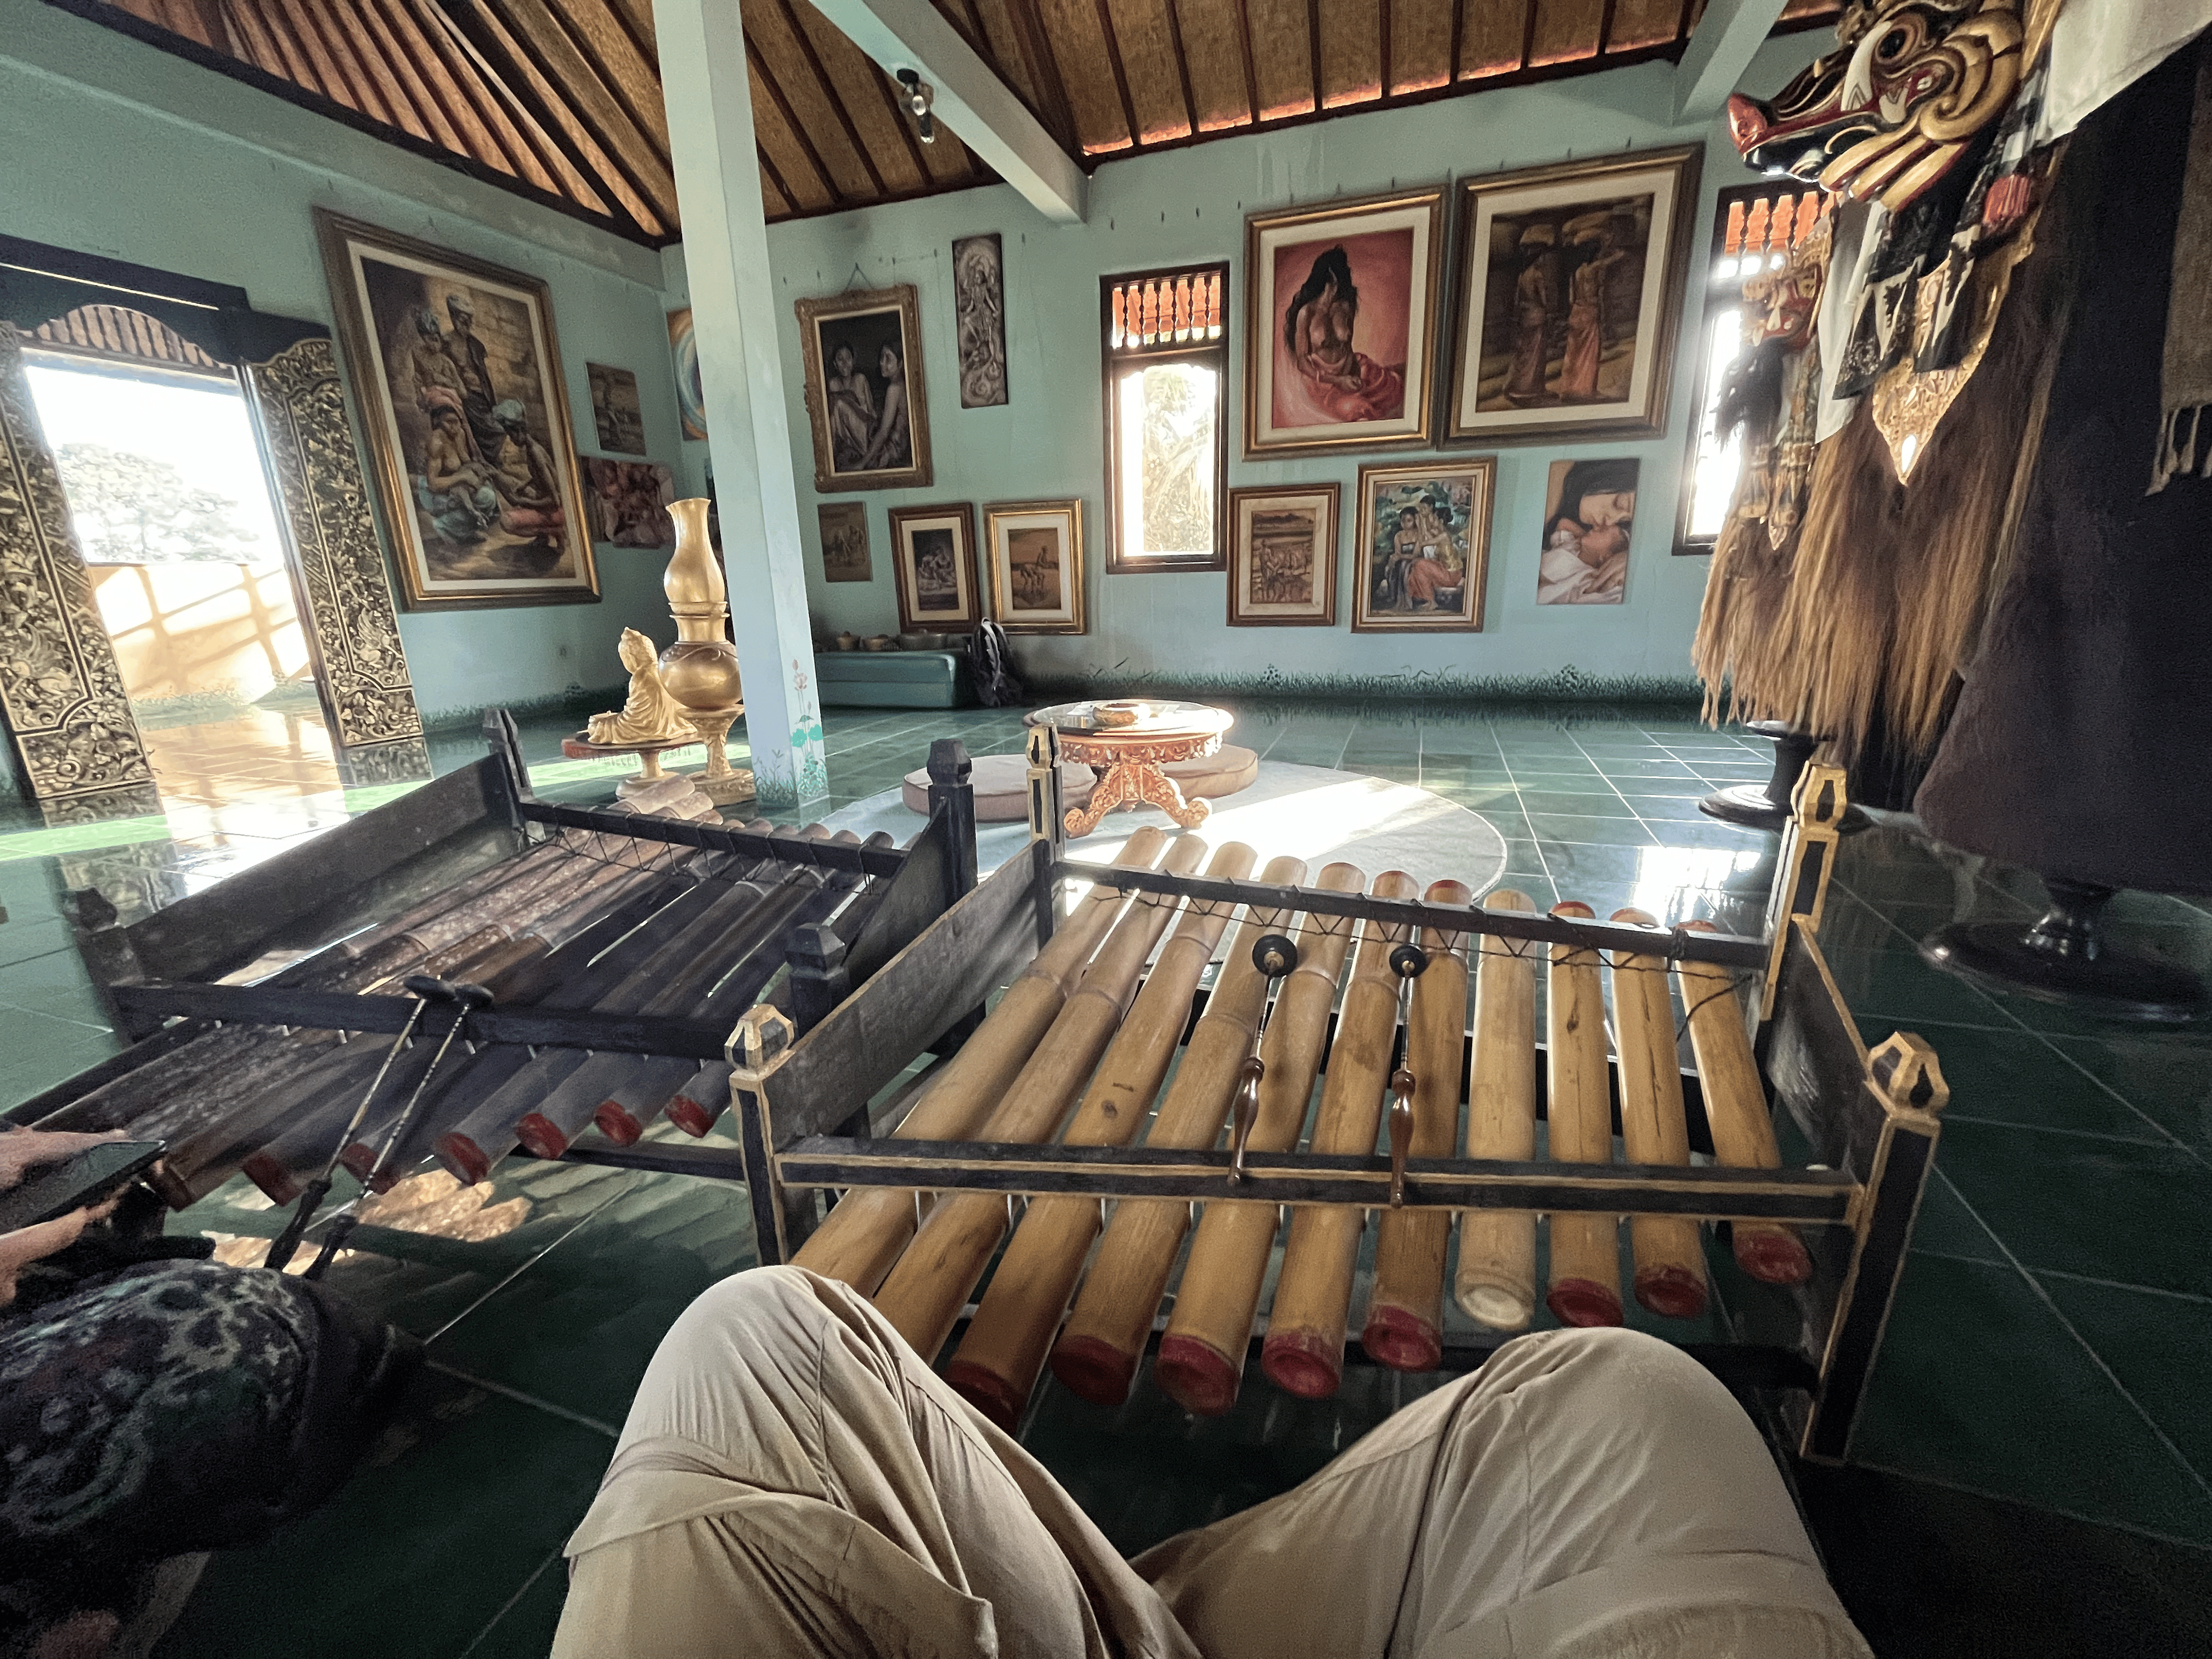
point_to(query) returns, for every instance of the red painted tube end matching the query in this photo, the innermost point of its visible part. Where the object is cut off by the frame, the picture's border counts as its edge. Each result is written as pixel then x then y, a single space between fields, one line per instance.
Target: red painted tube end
pixel 1573 908
pixel 1402 1339
pixel 541 1135
pixel 464 1159
pixel 272 1177
pixel 1093 1370
pixel 1672 1292
pixel 688 1116
pixel 617 1123
pixel 1772 1255
pixel 1197 1376
pixel 993 1396
pixel 1584 1301
pixel 1302 1362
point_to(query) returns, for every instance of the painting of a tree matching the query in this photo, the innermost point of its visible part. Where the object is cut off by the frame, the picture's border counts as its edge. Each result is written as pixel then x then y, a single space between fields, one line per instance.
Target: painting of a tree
pixel 132 509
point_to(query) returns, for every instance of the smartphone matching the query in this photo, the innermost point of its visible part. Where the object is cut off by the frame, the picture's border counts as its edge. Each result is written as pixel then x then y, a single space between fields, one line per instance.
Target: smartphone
pixel 53 1189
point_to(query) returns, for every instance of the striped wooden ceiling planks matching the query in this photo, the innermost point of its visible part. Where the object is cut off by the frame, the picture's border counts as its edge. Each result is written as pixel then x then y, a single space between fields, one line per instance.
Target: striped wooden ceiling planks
pixel 561 101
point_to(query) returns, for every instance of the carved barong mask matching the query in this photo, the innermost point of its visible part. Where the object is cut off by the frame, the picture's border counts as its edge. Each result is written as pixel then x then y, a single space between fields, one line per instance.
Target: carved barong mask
pixel 1896 105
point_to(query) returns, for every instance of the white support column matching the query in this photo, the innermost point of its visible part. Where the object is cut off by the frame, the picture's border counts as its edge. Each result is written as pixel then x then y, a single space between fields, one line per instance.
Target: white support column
pixel 1719 51
pixel 733 312
pixel 970 98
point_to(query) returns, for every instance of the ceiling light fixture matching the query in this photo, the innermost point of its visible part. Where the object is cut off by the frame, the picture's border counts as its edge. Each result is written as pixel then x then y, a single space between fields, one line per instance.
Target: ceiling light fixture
pixel 919 96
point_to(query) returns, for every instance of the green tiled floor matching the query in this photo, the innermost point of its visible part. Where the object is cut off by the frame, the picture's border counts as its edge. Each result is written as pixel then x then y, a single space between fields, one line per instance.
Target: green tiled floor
pixel 2049 1343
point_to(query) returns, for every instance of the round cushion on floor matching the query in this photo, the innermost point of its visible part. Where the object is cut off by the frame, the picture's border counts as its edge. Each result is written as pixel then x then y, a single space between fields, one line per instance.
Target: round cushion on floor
pixel 1001 783
pixel 1226 770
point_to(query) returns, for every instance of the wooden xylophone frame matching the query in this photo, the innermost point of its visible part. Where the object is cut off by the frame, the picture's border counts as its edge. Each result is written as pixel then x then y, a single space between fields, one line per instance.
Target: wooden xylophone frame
pixel 1871 1118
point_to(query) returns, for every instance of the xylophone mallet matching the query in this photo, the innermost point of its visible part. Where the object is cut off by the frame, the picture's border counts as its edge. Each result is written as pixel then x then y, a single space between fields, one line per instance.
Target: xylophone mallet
pixel 1097 1354
pixel 1303 1353
pixel 923 1293
pixel 1736 1111
pixel 1670 1257
pixel 1201 1360
pixel 1405 1315
pixel 864 1232
pixel 1497 1279
pixel 1585 1276
pixel 998 1360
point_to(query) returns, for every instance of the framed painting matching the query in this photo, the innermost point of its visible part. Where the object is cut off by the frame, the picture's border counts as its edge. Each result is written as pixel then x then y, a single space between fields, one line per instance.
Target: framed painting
pixel 1589 516
pixel 1421 546
pixel 1339 325
pixel 979 312
pixel 1036 555
pixel 629 502
pixel 1282 556
pixel 466 414
pixel 845 542
pixel 933 556
pixel 691 391
pixel 615 411
pixel 1570 293
pixel 865 398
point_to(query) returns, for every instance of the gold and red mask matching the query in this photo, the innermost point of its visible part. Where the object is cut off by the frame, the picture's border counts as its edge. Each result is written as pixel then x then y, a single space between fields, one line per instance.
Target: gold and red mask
pixel 1894 108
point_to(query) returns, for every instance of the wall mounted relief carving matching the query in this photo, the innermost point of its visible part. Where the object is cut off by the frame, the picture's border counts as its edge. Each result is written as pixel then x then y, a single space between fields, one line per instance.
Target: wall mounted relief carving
pixel 60 694
pixel 324 498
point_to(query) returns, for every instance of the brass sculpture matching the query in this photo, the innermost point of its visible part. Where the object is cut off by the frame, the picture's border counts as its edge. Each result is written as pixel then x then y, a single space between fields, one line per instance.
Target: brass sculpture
pixel 648 714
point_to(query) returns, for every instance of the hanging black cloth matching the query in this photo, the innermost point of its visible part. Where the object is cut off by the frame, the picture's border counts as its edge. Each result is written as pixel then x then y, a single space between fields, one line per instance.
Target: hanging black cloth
pixel 2081 746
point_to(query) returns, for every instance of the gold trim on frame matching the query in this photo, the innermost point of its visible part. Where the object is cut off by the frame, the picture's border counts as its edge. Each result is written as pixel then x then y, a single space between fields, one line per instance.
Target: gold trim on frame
pixel 1001 609
pixel 1420 378
pixel 61 694
pixel 1648 422
pixel 912 619
pixel 361 666
pixel 1329 551
pixel 827 481
pixel 1478 548
pixel 335 233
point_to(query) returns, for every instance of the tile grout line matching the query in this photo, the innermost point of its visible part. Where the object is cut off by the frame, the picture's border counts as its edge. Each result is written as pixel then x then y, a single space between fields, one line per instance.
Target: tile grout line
pixel 2096 1358
pixel 1616 795
pixel 509 1606
pixel 581 1221
pixel 548 1407
pixel 2197 1545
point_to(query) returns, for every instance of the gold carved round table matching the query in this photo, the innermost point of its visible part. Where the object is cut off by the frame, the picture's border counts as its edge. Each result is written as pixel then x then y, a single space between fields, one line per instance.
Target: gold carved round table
pixel 1126 745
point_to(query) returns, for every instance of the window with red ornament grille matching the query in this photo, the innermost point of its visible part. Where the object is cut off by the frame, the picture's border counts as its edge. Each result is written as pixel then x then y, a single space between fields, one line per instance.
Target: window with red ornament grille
pixel 1165 353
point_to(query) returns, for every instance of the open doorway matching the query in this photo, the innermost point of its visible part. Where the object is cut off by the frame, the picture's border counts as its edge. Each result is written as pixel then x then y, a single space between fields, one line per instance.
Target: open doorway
pixel 171 504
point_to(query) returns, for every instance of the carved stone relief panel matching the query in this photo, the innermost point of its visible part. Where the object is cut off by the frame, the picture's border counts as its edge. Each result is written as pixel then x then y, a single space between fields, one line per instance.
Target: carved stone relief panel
pixel 325 501
pixel 60 694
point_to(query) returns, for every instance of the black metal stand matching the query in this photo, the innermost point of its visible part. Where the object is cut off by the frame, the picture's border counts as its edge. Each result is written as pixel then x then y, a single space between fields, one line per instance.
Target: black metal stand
pixel 1766 805
pixel 2063 958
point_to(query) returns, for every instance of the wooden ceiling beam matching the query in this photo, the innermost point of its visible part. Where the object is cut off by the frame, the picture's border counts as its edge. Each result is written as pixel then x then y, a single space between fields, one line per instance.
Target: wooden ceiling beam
pixel 574 87
pixel 604 39
pixel 1244 46
pixel 537 158
pixel 831 95
pixel 1057 112
pixel 798 132
pixel 1458 26
pixel 1112 42
pixel 1313 48
pixel 1182 64
pixel 1719 51
pixel 426 106
pixel 970 99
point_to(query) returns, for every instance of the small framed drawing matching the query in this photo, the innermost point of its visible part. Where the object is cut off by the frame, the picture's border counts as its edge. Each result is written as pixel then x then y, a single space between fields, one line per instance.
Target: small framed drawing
pixel 845 542
pixel 1282 556
pixel 1421 546
pixel 1340 322
pixel 1035 554
pixel 1570 291
pixel 934 555
pixel 864 390
pixel 617 413
pixel 1590 515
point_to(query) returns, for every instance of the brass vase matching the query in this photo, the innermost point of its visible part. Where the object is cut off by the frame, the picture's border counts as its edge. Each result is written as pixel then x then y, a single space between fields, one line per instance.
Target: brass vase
pixel 700 669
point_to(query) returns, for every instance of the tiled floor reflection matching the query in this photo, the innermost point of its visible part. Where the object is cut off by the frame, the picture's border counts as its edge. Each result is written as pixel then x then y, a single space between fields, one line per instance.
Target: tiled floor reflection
pixel 2049 1343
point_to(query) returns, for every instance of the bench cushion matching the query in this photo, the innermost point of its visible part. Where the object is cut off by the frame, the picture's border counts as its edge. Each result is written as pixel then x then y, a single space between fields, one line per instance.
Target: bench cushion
pixel 893 679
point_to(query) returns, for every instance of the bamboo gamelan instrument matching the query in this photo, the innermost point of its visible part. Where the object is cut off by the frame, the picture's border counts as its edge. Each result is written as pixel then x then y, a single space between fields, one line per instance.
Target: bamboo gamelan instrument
pixel 1435 1084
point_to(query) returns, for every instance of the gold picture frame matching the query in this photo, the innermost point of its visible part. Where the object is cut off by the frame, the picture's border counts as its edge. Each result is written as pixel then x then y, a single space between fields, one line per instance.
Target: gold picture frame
pixel 1369 384
pixel 1558 268
pixel 1420 524
pixel 1034 550
pixel 859 443
pixel 482 512
pixel 1283 555
pixel 933 559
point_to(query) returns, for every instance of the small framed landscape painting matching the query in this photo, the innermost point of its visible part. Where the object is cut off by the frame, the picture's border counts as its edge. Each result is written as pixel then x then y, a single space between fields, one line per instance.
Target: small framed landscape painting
pixel 1570 289
pixel 845 542
pixel 1035 554
pixel 615 411
pixel 1590 513
pixel 933 555
pixel 1421 546
pixel 1340 324
pixel 1282 556
pixel 864 390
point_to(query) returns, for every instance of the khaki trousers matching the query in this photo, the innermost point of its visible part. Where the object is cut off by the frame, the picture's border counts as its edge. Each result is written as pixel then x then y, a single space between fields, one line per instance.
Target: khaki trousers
pixel 793 1480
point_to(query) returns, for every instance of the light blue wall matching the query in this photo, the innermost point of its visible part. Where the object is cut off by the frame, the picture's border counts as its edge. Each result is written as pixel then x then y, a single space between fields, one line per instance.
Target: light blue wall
pixel 113 148
pixel 1188 205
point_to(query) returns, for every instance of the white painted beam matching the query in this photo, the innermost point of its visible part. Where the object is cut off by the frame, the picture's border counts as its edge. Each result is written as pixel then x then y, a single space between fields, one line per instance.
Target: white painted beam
pixel 1718 53
pixel 970 98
